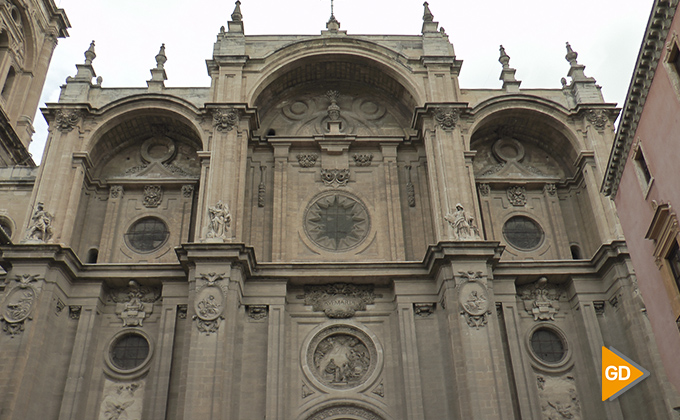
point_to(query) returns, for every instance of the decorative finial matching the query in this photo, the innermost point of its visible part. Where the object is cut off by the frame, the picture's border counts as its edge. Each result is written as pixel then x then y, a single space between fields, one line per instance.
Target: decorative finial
pixel 504 58
pixel 332 24
pixel 571 55
pixel 161 58
pixel 333 108
pixel 427 16
pixel 237 16
pixel 89 54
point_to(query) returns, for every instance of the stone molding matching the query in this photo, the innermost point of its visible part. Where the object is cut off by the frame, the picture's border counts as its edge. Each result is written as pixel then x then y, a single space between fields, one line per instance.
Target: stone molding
pixel 652 47
pixel 339 300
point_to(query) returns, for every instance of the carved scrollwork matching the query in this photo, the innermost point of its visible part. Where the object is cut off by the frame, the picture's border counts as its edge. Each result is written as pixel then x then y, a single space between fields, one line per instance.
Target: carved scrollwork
pixel 67 120
pixel 134 303
pixel 225 119
pixel 335 177
pixel 153 196
pixel 447 118
pixel 541 299
pixel 517 196
pixel 339 300
pixel 597 117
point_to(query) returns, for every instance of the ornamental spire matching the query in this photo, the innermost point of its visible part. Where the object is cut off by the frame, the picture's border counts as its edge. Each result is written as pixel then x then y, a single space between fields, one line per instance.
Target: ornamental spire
pixel 237 16
pixel 89 54
pixel 427 15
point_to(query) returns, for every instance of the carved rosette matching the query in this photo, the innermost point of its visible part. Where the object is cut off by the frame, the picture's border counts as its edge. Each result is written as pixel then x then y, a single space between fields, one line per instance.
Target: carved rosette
pixel 339 300
pixel 209 302
pixel 517 196
pixel 225 119
pixel 308 160
pixel 597 117
pixel 153 196
pixel 447 118
pixel 541 299
pixel 66 120
pixel 341 357
pixel 134 303
pixel 335 177
pixel 473 297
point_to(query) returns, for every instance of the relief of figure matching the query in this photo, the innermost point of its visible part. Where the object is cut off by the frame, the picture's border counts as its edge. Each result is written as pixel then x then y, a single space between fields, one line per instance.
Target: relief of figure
pixel 41 225
pixel 220 221
pixel 463 224
pixel 342 359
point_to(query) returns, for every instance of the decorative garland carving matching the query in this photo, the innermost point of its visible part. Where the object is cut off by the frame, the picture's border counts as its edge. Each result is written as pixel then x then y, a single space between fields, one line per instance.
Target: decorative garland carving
pixel 308 160
pixel 258 312
pixel 339 300
pixel 363 160
pixel 261 189
pixel 410 191
pixel 424 309
pixel 551 189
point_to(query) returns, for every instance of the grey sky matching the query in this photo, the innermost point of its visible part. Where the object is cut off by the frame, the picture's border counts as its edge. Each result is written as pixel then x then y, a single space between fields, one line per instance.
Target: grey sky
pixel 128 34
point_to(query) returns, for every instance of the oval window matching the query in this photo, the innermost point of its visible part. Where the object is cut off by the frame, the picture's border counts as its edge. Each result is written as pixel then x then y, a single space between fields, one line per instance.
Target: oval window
pixel 547 345
pixel 522 233
pixel 147 234
pixel 129 351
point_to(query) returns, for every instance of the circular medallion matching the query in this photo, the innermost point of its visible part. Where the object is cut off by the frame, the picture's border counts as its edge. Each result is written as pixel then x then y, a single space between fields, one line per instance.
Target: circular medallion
pixel 158 149
pixel 336 222
pixel 342 357
pixel 19 304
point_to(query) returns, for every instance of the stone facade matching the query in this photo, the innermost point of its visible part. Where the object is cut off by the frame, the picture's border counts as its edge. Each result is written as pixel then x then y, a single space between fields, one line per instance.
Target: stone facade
pixel 334 229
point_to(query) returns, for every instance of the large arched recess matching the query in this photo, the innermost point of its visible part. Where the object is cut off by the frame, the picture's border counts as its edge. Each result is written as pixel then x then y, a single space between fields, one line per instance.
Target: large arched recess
pixel 379 66
pixel 133 118
pixel 532 118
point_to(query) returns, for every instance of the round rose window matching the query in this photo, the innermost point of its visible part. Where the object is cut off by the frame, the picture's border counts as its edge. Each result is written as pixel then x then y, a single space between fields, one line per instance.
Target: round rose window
pixel 336 222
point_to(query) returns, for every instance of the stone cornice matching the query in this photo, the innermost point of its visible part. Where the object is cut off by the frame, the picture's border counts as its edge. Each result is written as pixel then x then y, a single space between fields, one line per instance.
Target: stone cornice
pixel 653 44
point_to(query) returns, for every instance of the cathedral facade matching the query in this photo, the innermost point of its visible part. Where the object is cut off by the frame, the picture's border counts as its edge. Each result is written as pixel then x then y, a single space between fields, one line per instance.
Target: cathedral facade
pixel 334 229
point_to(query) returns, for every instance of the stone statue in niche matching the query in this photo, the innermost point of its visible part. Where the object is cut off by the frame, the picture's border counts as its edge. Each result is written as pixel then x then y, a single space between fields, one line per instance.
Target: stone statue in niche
pixel 463 225
pixel 40 229
pixel 220 221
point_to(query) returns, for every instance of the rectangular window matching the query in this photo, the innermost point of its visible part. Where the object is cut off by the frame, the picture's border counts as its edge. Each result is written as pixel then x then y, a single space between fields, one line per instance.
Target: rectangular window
pixel 642 170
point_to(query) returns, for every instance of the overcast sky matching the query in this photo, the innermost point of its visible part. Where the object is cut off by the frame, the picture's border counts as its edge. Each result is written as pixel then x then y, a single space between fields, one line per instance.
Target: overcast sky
pixel 128 33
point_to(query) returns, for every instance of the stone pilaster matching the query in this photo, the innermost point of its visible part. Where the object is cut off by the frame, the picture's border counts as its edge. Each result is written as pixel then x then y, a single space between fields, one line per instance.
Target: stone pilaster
pixel 280 202
pixel 394 219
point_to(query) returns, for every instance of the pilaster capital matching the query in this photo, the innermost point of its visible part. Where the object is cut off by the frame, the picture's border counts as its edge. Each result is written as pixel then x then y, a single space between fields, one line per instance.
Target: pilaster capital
pixel 442 115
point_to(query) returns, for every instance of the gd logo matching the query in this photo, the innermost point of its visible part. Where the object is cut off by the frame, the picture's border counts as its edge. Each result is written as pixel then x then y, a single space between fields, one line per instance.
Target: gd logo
pixel 619 373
